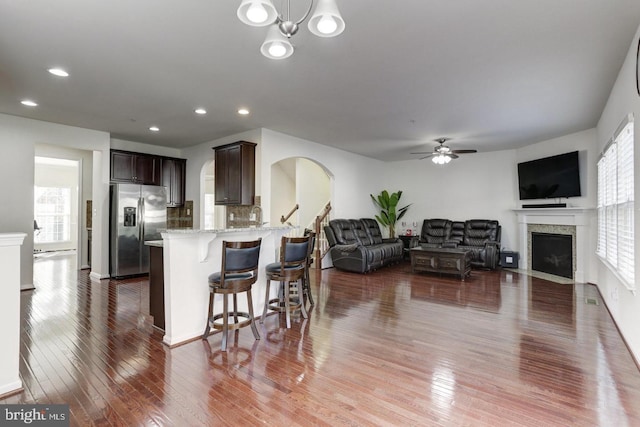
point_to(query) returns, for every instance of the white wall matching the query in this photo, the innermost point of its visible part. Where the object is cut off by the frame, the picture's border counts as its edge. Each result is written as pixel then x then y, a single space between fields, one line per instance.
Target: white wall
pixel 483 185
pixel 313 191
pixel 480 185
pixel 10 311
pixel 198 155
pixel 353 177
pixel 139 147
pixel 18 138
pixel 283 190
pixel 586 143
pixel 623 304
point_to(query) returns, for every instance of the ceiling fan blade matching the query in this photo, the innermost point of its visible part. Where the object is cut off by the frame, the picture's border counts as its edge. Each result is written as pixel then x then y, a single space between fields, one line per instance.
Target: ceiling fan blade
pixel 423 152
pixel 453 156
pixel 464 151
pixel 427 156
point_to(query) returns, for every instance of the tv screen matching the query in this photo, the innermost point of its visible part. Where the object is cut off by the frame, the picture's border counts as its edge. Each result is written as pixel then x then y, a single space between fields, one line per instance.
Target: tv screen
pixel 550 177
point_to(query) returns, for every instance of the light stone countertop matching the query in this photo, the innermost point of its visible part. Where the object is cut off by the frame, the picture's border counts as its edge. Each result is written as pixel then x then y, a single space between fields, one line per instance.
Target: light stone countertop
pixel 224 230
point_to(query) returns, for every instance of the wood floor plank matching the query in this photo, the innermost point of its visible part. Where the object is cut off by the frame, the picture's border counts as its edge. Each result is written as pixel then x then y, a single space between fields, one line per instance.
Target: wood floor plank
pixel 386 348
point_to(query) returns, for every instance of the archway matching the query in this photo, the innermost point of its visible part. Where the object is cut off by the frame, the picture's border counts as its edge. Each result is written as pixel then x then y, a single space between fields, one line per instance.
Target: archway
pixel 299 181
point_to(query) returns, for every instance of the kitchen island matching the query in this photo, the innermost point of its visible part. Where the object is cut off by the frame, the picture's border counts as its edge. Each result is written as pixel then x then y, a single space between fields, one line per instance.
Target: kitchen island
pixel 189 257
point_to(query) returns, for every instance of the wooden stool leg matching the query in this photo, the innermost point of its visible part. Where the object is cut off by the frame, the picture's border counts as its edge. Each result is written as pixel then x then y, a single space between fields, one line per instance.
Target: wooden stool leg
pixel 307 286
pixel 235 307
pixel 225 321
pixel 208 327
pixel 287 304
pixel 300 288
pixel 253 323
pixel 266 302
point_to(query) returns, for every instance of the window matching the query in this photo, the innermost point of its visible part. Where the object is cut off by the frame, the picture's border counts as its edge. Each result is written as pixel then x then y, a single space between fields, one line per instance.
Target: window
pixel 53 214
pixel 209 211
pixel 616 204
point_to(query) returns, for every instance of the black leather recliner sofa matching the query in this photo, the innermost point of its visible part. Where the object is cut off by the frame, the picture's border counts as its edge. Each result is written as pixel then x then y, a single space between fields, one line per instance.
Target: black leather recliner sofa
pixel 357 245
pixel 480 236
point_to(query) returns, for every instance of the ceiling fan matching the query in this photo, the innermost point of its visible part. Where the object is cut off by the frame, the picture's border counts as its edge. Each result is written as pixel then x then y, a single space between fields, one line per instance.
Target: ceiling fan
pixel 443 154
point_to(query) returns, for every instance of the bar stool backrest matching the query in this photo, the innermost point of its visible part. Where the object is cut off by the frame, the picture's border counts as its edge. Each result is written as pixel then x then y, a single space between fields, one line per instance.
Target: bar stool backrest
pixel 240 257
pixel 294 251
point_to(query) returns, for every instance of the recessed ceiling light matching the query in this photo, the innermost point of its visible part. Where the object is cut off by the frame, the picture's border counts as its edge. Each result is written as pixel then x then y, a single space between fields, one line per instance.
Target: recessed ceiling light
pixel 243 111
pixel 29 103
pixel 58 72
pixel 154 129
pixel 200 111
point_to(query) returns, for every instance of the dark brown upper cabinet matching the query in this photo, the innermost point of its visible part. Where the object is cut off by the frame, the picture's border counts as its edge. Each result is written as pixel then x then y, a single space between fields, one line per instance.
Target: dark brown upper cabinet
pixel 173 177
pixel 235 173
pixel 135 167
pixel 148 169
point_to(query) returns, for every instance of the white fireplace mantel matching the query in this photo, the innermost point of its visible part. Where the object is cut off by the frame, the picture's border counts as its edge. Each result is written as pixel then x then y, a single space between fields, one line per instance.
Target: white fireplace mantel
pixel 578 217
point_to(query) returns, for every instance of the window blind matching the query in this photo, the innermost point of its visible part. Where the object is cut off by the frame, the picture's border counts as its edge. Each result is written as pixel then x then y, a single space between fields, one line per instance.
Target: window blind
pixel 616 204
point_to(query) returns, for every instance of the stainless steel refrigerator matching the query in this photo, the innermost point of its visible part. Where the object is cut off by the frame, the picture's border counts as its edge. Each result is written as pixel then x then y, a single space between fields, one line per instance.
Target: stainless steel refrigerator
pixel 138 214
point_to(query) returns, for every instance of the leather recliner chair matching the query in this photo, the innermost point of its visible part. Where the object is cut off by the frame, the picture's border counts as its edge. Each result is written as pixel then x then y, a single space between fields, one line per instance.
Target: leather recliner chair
pixel 435 232
pixel 482 238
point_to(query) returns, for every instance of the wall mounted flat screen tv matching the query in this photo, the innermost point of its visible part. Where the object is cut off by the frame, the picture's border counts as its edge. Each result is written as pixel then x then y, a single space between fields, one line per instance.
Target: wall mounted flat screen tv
pixel 550 177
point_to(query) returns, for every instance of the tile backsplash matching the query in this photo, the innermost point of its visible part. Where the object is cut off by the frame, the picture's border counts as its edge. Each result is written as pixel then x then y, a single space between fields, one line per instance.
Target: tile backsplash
pixel 239 216
pixel 180 217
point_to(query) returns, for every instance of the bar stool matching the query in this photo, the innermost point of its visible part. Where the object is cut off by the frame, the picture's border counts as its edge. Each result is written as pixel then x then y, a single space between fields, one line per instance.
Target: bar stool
pixel 294 256
pixel 239 273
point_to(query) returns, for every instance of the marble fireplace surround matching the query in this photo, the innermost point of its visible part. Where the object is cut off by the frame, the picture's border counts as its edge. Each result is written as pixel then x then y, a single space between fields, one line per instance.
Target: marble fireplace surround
pixel 567 230
pixel 573 221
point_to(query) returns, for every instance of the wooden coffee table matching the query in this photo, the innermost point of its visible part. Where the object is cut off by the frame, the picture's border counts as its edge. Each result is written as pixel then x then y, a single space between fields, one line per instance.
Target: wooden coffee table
pixel 441 260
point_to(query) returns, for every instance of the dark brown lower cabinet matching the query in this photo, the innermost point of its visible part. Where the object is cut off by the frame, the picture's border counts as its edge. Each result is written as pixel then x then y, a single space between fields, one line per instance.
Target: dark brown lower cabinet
pixel 156 286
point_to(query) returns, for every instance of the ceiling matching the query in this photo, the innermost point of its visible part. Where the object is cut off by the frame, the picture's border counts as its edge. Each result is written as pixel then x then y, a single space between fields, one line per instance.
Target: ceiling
pixel 490 74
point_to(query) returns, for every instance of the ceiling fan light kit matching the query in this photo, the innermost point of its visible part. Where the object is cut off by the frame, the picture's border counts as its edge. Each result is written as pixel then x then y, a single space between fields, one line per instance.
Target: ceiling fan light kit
pixel 325 21
pixel 441 159
pixel 441 155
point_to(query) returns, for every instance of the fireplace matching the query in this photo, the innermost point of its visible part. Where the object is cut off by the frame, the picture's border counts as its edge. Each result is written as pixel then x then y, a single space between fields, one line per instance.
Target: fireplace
pixel 572 221
pixel 552 253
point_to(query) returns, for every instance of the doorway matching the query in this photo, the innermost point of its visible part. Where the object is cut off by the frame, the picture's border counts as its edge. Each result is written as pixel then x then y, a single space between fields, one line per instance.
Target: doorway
pixel 62 201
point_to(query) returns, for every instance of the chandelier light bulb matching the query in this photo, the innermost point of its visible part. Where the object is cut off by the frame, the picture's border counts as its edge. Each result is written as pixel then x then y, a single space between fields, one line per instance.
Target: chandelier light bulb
pixel 326 20
pixel 327 25
pixel 257 13
pixel 276 46
pixel 277 49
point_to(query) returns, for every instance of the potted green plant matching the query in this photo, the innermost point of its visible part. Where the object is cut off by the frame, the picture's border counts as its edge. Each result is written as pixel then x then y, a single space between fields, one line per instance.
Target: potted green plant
pixel 389 211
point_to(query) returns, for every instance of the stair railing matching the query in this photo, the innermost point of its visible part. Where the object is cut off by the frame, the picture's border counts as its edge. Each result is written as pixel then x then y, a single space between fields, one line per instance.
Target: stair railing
pixel 322 245
pixel 284 219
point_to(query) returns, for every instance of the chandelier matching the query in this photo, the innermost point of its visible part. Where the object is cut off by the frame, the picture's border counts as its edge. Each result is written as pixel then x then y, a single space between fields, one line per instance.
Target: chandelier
pixel 324 22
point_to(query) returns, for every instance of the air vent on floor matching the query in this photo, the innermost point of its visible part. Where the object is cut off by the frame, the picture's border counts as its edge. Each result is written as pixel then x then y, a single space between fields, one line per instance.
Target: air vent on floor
pixel 591 301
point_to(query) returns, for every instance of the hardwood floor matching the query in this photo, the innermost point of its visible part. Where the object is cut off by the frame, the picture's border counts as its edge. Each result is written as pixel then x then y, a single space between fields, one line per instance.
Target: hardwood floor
pixel 387 348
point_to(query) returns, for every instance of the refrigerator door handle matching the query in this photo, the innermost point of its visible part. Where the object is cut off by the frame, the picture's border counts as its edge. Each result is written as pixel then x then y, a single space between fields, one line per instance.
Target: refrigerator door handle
pixel 141 221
